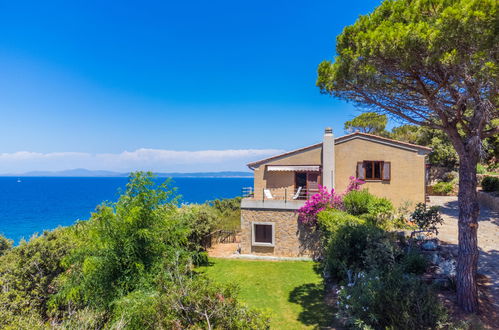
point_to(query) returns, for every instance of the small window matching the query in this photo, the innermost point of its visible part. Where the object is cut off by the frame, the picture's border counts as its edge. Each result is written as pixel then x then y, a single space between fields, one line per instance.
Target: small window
pixel 263 233
pixel 373 170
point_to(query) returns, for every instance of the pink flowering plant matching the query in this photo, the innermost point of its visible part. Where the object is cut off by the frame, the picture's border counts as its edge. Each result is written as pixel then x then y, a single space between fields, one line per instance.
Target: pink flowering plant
pixel 323 200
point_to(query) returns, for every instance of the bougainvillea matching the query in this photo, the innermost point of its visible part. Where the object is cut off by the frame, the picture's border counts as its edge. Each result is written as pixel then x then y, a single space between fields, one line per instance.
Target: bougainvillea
pixel 325 199
pixel 354 184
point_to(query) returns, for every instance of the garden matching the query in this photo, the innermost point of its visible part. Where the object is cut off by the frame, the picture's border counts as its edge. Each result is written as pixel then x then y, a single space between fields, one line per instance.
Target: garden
pixel 383 266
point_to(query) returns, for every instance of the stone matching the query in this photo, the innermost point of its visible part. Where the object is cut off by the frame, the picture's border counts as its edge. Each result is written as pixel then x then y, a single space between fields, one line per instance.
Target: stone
pixel 429 246
pixel 292 239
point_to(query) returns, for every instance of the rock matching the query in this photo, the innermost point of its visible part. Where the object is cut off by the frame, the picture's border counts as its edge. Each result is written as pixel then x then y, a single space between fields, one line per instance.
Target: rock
pixel 429 246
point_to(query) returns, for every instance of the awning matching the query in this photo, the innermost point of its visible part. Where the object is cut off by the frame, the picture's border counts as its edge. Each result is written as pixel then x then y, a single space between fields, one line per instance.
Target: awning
pixel 294 168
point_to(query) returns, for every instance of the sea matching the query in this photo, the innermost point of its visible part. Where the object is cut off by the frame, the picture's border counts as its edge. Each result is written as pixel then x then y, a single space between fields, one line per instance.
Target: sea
pixel 30 205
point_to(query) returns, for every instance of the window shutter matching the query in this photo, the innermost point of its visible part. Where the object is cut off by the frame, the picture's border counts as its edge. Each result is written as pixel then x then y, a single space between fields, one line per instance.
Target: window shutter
pixel 361 174
pixel 386 171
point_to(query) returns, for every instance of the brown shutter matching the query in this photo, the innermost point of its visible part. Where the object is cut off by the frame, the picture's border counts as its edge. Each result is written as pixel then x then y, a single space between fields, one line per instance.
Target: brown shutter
pixel 386 171
pixel 312 183
pixel 361 173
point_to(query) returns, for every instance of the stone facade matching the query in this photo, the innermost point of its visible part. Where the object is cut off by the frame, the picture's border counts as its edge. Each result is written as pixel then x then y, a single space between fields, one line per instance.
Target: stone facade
pixel 292 239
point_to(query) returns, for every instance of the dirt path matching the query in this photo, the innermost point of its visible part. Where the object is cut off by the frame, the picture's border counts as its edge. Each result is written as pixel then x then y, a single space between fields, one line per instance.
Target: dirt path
pixel 488 237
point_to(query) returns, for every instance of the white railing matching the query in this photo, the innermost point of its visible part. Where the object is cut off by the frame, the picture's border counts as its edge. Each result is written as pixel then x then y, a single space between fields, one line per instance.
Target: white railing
pixel 286 194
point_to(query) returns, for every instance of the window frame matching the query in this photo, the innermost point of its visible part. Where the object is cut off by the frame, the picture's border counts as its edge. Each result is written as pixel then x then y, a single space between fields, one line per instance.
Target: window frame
pixel 253 242
pixel 381 164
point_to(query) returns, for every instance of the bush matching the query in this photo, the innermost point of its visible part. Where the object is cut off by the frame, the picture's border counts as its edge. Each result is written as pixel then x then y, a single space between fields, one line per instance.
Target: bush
pixel 229 213
pixel 5 244
pixel 391 300
pixel 427 218
pixel 124 245
pixel 414 263
pixel 490 183
pixel 357 248
pixel 192 302
pixel 202 220
pixel 480 169
pixel 443 188
pixel 29 271
pixel 357 202
pixel 449 176
pixel 331 220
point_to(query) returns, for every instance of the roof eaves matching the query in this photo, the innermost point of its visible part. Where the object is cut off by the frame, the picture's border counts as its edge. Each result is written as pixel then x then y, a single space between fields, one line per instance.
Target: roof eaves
pixel 262 161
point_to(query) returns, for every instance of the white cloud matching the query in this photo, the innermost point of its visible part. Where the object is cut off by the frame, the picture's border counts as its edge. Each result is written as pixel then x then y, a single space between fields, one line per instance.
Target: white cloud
pixel 158 160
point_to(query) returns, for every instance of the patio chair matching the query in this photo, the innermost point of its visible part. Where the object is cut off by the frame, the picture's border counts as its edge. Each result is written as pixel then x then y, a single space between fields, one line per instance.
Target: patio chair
pixel 268 194
pixel 298 191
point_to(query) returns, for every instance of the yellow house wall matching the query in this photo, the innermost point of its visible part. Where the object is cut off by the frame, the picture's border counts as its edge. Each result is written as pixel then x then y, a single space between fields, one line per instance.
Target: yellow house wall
pixel 283 182
pixel 407 182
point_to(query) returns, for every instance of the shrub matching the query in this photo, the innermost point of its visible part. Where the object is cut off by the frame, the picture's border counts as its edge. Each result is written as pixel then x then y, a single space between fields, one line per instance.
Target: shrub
pixel 427 218
pixel 325 200
pixel 5 244
pixel 319 202
pixel 449 176
pixel 490 183
pixel 29 271
pixel 414 263
pixel 186 303
pixel 229 213
pixel 480 169
pixel 357 248
pixel 331 220
pixel 443 188
pixel 124 245
pixel 391 300
pixel 380 213
pixel 202 220
pixel 357 202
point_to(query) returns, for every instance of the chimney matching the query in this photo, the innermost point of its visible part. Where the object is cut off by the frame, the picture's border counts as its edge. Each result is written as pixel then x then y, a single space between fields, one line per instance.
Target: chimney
pixel 328 158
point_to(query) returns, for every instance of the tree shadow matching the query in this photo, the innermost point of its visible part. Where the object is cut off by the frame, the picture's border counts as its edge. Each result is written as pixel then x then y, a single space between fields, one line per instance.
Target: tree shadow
pixel 451 208
pixel 488 283
pixel 316 312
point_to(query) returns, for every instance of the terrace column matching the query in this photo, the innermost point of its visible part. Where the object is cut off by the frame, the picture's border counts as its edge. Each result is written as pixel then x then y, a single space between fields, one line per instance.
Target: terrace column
pixel 328 158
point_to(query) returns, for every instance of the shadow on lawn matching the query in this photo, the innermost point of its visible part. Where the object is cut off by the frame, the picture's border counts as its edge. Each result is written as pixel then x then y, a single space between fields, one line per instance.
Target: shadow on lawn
pixel 315 312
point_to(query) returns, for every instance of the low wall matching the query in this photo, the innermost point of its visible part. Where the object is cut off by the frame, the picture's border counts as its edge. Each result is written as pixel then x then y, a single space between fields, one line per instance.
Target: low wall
pixel 490 201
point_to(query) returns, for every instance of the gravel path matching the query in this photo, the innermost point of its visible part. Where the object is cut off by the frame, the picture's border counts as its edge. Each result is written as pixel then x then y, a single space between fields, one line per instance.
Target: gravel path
pixel 488 237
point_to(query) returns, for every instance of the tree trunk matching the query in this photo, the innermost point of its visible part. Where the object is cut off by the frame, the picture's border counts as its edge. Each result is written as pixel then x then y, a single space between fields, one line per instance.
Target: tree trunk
pixel 467 262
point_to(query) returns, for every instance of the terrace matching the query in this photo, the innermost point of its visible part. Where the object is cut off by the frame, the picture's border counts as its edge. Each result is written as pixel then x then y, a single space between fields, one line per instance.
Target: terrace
pixel 282 186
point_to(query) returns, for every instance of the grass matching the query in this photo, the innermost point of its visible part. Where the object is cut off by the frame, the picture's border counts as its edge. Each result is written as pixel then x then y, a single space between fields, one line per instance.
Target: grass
pixel 291 291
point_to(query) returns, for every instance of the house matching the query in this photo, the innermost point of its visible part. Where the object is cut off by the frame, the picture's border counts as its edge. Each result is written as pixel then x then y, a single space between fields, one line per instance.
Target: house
pixel 282 184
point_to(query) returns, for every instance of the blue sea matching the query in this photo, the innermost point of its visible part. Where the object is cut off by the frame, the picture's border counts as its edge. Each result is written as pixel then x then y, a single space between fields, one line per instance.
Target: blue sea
pixel 38 203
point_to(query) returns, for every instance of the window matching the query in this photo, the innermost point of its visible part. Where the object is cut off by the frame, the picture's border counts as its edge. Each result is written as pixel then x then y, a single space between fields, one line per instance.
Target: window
pixel 263 234
pixel 374 170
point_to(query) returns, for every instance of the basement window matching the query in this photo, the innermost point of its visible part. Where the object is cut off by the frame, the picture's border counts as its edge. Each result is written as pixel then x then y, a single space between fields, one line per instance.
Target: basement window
pixel 263 234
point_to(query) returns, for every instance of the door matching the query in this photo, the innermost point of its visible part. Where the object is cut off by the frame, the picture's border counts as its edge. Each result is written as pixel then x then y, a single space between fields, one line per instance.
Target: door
pixel 312 183
pixel 301 181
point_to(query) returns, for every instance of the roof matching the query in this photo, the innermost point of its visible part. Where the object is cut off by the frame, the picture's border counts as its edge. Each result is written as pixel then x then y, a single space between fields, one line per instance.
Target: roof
pixel 345 138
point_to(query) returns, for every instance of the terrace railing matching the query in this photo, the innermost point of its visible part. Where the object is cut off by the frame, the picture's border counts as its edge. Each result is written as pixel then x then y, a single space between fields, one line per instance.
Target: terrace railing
pixel 285 194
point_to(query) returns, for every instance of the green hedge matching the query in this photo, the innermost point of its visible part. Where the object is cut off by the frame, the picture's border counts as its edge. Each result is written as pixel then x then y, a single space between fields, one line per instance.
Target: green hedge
pixel 490 183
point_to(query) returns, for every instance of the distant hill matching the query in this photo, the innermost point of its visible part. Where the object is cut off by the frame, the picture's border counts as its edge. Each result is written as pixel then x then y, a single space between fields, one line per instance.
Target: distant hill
pixel 81 172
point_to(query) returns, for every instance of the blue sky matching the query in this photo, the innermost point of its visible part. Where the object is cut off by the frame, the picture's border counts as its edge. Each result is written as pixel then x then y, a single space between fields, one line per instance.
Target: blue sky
pixel 83 83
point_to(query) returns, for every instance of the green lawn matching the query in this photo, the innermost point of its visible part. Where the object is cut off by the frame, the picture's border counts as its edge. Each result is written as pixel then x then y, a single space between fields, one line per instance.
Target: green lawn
pixel 290 290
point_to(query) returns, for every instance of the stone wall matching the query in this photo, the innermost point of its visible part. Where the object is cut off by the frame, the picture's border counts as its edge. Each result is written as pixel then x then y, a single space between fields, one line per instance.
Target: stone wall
pixel 489 200
pixel 292 239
